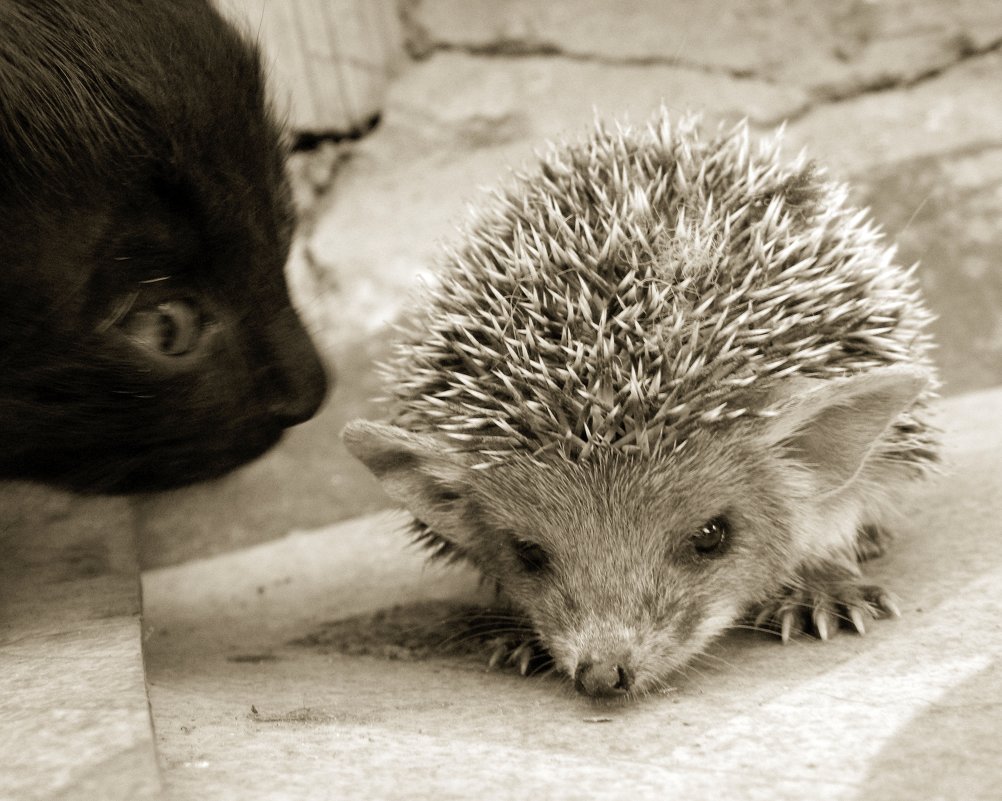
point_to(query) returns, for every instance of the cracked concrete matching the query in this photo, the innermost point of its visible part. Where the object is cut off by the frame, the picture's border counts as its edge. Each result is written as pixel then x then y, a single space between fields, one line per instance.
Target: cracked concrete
pixel 953 110
pixel 944 210
pixel 963 50
pixel 828 47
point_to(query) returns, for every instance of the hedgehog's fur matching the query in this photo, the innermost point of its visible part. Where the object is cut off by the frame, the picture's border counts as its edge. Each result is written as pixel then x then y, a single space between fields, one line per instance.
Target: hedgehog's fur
pixel 647 282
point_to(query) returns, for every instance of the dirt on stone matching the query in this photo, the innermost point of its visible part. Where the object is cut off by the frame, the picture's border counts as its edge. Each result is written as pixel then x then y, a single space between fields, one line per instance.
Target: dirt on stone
pixel 425 630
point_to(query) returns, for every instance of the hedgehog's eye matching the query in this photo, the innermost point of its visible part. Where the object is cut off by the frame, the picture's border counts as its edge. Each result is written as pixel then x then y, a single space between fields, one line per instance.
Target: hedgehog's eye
pixel 713 537
pixel 446 495
pixel 532 556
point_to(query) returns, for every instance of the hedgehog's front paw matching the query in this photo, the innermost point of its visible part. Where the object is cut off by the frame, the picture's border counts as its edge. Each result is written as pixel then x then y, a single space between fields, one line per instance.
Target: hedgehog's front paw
pixel 824 598
pixel 522 651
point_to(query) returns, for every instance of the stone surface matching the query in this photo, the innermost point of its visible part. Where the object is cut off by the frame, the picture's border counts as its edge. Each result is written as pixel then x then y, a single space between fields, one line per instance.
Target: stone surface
pixel 832 49
pixel 943 210
pixel 481 101
pixel 950 112
pixel 909 712
pixel 74 718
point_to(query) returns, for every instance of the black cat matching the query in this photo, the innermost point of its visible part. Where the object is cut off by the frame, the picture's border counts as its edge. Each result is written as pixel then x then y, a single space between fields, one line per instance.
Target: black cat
pixel 147 339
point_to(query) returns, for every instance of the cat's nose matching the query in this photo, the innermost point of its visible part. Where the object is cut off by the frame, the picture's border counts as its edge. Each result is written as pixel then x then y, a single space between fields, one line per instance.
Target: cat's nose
pixel 298 379
pixel 304 394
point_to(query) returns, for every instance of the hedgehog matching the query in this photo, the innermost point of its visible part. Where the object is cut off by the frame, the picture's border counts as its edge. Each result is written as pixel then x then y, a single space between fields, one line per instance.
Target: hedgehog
pixel 667 382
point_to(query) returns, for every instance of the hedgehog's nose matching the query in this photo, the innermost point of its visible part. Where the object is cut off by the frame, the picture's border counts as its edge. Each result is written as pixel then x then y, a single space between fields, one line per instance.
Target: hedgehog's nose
pixel 602 679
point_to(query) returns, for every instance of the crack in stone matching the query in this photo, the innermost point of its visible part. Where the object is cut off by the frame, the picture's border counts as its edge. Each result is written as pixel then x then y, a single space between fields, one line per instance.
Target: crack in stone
pixel 421 48
pixel 515 48
pixel 832 95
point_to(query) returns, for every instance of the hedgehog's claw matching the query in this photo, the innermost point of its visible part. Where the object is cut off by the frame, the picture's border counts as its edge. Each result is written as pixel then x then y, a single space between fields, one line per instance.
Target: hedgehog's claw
pixel 889 604
pixel 824 620
pixel 786 624
pixel 501 649
pixel 856 616
pixel 823 599
pixel 521 657
pixel 523 653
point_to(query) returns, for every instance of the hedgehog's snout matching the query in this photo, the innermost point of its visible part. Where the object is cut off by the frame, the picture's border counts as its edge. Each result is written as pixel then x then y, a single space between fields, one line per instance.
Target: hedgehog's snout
pixel 604 678
pixel 602 660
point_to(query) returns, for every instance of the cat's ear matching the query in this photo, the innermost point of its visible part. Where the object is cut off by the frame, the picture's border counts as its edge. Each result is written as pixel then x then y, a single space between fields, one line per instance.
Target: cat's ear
pixel 830 427
pixel 420 472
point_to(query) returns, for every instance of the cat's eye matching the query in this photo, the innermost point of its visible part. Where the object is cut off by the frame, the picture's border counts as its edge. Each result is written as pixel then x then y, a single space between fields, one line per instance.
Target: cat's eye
pixel 713 537
pixel 532 556
pixel 173 328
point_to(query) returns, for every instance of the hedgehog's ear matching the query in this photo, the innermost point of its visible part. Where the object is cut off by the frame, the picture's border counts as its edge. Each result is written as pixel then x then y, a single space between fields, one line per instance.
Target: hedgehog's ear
pixel 418 471
pixel 831 426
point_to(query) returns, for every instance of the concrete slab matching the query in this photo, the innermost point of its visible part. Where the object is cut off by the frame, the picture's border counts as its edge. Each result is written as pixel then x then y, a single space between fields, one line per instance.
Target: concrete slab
pixel 74 718
pixel 910 711
pixel 943 211
pixel 832 49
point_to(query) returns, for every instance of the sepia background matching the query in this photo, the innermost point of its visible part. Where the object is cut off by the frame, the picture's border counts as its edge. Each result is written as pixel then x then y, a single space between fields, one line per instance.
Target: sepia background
pixel 290 642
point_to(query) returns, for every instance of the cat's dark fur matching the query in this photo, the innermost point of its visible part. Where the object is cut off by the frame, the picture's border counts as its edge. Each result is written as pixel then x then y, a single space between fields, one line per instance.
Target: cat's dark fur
pixel 146 334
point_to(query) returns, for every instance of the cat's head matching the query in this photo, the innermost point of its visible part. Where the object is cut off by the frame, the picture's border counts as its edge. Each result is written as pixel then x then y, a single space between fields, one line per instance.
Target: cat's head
pixel 147 338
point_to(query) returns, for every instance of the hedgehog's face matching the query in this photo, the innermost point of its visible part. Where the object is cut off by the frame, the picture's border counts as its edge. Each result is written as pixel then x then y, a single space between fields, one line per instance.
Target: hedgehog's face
pixel 628 566
pixel 625 567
